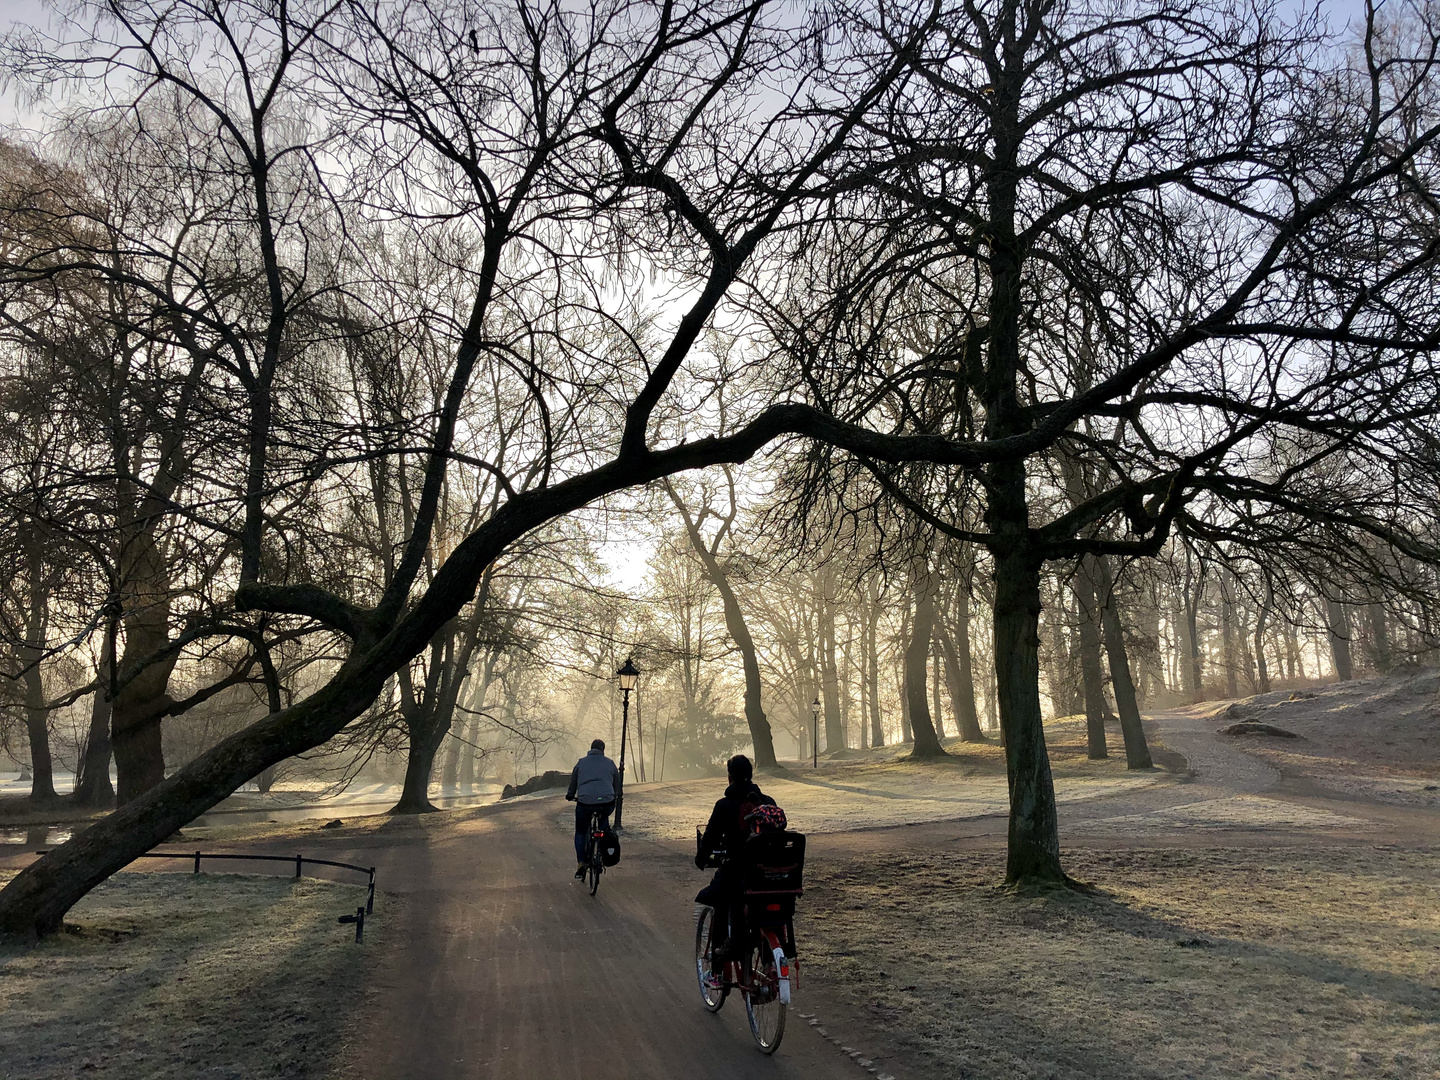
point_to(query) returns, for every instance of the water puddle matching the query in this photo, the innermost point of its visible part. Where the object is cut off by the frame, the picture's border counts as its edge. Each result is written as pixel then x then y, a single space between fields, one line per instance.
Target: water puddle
pixel 354 805
pixel 33 836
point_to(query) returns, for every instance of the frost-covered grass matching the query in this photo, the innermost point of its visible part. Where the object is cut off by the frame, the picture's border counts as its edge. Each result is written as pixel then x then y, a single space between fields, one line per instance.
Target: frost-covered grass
pixel 184 976
pixel 1376 738
pixel 883 789
pixel 1202 963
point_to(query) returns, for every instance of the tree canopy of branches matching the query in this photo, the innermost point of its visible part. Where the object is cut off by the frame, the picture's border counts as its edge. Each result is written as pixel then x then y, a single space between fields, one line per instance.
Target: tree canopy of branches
pixel 1057 277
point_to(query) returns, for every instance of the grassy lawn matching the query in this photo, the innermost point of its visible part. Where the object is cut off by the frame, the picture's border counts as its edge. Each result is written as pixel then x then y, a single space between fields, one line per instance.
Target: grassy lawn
pixel 219 976
pixel 880 788
pixel 1202 963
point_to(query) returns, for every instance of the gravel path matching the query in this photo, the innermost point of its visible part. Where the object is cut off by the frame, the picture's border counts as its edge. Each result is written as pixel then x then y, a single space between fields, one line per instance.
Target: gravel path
pixel 1228 789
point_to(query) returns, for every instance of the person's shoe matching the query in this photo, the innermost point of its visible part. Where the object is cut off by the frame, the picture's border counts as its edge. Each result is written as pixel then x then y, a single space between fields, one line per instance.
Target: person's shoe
pixel 580 872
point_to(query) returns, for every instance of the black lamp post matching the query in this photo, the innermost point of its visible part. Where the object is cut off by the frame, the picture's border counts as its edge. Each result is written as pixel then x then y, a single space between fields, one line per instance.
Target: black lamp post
pixel 814 730
pixel 629 674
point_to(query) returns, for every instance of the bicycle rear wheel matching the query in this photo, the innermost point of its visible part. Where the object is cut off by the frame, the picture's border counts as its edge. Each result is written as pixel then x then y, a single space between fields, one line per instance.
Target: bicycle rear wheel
pixel 763 1006
pixel 711 995
pixel 597 863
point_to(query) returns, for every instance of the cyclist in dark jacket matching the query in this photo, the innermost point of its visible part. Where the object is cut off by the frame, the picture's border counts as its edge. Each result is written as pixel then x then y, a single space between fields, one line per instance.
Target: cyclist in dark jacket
pixel 594 784
pixel 726 831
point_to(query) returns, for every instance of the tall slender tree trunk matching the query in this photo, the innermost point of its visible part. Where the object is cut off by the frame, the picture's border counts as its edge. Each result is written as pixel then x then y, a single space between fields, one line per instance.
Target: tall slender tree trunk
pixel 1152 678
pixel 903 682
pixel 37 732
pixel 959 672
pixel 1059 670
pixel 470 727
pixel 917 653
pixel 1338 627
pixel 872 665
pixel 829 677
pixel 937 710
pixel 469 730
pixel 1227 634
pixel 427 731
pixel 762 739
pixel 1093 678
pixel 1137 751
pixel 1194 674
pixel 31 653
pixel 1262 667
pixel 1379 637
pixel 1247 654
pixel 93 787
pixel 450 771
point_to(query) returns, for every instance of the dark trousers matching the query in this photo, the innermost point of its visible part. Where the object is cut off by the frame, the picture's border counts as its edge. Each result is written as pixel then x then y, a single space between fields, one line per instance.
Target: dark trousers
pixel 723 894
pixel 582 824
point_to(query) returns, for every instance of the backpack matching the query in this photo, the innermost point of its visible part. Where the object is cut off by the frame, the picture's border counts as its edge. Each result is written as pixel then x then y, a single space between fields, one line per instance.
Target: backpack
pixel 760 814
pixel 610 847
pixel 766 819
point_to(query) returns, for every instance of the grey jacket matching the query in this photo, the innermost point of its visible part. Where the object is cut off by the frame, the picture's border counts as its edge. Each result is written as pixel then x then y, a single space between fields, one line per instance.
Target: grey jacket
pixel 594 780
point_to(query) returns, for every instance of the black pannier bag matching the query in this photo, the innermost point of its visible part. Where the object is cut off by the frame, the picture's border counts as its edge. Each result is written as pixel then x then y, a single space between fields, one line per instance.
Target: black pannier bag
pixel 774 870
pixel 610 847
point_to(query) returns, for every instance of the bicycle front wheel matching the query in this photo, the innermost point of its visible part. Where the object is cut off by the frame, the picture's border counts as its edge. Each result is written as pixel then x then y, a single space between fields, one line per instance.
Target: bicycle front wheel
pixel 711 994
pixel 763 1006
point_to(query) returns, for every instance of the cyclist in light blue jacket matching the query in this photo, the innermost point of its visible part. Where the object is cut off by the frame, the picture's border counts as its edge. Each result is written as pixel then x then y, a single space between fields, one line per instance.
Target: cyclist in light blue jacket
pixel 594 784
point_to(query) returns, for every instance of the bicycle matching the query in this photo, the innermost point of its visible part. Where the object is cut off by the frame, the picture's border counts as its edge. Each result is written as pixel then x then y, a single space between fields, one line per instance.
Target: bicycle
pixel 767 971
pixel 594 853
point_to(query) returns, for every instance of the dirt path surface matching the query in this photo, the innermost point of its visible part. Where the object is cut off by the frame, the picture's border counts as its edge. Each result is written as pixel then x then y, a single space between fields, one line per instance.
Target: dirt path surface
pixel 508 969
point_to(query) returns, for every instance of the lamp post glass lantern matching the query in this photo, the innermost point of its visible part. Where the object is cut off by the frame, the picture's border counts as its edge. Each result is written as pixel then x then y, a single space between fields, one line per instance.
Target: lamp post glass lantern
pixel 629 676
pixel 814 731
